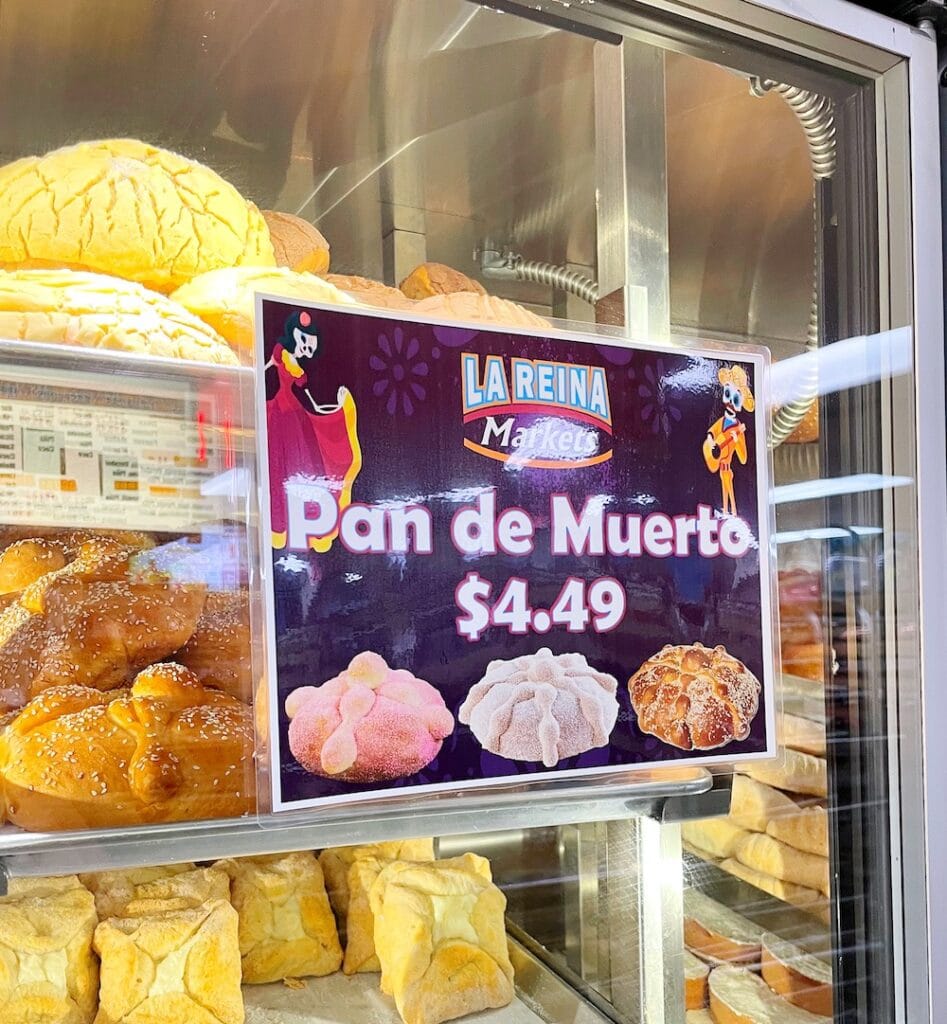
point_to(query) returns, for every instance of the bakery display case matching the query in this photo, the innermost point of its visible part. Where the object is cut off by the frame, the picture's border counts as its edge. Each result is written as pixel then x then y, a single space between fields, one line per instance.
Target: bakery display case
pixel 237 784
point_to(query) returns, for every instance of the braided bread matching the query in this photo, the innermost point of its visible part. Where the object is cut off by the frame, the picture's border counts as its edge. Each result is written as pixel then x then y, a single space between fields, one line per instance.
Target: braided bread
pixel 694 697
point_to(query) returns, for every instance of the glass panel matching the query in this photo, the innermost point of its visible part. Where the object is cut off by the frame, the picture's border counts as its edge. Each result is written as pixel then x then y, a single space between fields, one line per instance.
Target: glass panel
pixel 680 187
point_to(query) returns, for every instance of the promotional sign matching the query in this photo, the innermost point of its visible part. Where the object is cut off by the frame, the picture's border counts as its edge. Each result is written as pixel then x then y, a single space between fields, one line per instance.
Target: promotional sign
pixel 499 555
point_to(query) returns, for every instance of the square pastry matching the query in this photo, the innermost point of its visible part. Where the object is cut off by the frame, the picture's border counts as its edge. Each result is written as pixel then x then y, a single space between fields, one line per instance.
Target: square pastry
pixel 337 861
pixel 286 925
pixel 360 955
pixel 182 967
pixel 111 887
pixel 48 971
pixel 440 938
pixel 185 891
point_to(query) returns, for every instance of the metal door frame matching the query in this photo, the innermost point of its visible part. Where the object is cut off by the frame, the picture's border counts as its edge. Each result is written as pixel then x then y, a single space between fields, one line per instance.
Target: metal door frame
pixel 901 61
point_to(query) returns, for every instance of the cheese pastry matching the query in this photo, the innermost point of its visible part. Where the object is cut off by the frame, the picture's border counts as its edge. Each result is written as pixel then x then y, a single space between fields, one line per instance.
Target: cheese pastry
pixel 177 968
pixel 184 891
pixel 286 925
pixel 337 861
pixel 48 973
pixel 441 939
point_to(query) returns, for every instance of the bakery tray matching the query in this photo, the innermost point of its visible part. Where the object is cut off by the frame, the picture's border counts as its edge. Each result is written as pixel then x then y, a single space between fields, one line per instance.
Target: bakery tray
pixel 541 998
pixel 606 798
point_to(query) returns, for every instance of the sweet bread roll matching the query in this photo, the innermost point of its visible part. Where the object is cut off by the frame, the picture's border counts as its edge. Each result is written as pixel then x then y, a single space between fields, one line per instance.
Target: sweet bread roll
pixel 335 863
pixel 797 976
pixel 809 900
pixel 808 429
pixel 695 697
pixel 476 308
pixel 718 934
pixel 695 981
pixel 802 734
pixel 67 307
pixel 286 925
pixel 737 996
pixel 753 805
pixel 184 891
pixel 297 244
pixel 806 830
pixel 167 750
pixel 793 771
pixel 48 973
pixel 437 279
pixel 771 857
pixel 219 651
pixel 699 851
pixel 369 292
pixel 225 299
pixel 181 967
pixel 441 941
pixel 123 207
pixel 92 623
pixel 369 723
pixel 717 836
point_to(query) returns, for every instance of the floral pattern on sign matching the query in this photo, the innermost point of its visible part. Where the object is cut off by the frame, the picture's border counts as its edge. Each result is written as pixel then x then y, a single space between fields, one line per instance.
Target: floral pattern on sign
pixel 400 370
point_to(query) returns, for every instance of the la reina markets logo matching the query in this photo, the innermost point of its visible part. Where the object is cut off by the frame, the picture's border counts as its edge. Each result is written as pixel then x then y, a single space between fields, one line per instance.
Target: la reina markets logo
pixel 536 413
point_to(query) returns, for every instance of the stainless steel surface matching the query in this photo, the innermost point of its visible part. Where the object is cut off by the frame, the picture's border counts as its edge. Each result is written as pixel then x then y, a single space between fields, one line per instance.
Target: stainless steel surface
pixel 24 853
pixel 539 987
pixel 631 112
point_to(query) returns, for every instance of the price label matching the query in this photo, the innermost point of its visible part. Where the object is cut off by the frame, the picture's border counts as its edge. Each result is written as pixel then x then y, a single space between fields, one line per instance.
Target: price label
pixel 599 605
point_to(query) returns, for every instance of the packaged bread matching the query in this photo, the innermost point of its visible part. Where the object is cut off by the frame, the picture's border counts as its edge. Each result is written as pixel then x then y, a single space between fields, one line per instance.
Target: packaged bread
pixel 166 750
pixel 802 734
pixel 95 622
pixel 718 934
pixel 806 830
pixel 793 771
pixel 181 891
pixel 476 308
pixel 123 207
pixel 699 851
pixel 438 279
pixel 67 307
pixel 810 900
pixel 771 857
pixel 225 299
pixel 440 937
pixel 369 292
pixel 753 805
pixel 219 651
pixel 336 861
pixel 48 972
pixel 716 835
pixel 804 698
pixel 695 981
pixel 297 244
pixel 737 996
pixel 798 976
pixel 286 925
pixel 181 967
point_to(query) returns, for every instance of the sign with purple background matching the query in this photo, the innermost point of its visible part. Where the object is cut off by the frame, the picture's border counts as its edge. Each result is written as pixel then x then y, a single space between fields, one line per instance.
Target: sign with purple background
pixel 500 555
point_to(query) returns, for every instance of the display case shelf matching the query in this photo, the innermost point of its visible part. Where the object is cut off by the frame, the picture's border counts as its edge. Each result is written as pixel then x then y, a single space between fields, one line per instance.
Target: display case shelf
pixel 608 798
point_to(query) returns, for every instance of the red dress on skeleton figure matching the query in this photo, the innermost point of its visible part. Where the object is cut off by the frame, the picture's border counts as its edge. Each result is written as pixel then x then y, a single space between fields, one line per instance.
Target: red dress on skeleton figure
pixel 307 444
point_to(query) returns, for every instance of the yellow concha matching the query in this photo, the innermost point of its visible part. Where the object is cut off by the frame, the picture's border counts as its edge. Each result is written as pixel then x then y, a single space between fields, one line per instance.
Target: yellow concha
pixel 123 207
pixel 73 307
pixel 224 299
